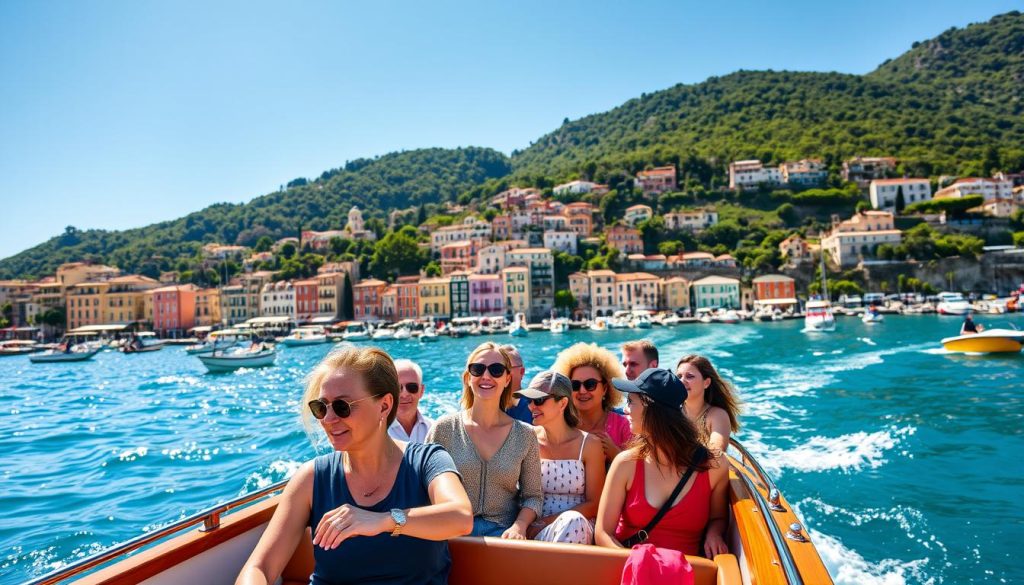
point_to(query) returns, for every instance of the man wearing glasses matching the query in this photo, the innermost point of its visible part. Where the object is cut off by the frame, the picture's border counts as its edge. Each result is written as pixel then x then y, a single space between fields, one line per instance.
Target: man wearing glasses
pixel 520 409
pixel 410 425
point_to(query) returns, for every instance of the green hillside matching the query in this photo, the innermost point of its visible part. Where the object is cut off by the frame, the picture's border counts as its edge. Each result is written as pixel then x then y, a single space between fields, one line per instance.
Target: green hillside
pixel 396 180
pixel 949 106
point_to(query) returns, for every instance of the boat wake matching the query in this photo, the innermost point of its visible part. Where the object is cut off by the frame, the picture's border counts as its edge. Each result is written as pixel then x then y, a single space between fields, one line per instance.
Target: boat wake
pixel 276 471
pixel 847 453
pixel 849 568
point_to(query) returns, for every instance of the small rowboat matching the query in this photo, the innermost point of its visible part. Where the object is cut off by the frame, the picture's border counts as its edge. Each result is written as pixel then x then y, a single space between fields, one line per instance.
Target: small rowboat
pixel 987 341
pixel 243 359
pixel 768 546
pixel 54 356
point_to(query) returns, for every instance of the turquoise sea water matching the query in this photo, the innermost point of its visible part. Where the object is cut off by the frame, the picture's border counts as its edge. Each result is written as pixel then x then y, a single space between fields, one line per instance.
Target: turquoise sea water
pixel 903 461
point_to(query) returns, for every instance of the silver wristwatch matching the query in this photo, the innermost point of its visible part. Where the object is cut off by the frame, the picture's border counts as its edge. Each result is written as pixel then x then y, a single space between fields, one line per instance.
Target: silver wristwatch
pixel 400 519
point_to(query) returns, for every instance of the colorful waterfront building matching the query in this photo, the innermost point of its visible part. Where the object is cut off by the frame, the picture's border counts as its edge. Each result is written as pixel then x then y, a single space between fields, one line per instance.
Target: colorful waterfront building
pixel 126 299
pixel 516 284
pixel 637 290
pixel 675 293
pixel 775 290
pixel 435 297
pixel 715 291
pixel 624 239
pixel 389 303
pixel 307 305
pixel 277 299
pixel 541 265
pixel 207 307
pixel 407 295
pixel 579 287
pixel 486 295
pixel 366 299
pixel 331 294
pixel 602 293
pixel 174 309
pixel 86 304
pixel 459 293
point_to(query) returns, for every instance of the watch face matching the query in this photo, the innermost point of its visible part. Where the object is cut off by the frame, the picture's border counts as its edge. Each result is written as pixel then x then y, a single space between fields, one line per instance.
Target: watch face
pixel 398 516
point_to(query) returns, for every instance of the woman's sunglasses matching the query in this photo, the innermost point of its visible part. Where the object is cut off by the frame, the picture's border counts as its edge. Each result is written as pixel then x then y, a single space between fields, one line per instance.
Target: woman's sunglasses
pixel 589 384
pixel 496 370
pixel 540 401
pixel 342 408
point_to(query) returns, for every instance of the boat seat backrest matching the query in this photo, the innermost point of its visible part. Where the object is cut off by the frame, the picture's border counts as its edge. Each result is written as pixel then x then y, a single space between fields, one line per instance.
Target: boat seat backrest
pixel 493 561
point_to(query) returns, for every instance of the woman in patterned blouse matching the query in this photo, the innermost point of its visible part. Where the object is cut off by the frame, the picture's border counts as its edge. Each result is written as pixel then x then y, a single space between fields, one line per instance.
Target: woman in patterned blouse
pixel 571 462
pixel 496 455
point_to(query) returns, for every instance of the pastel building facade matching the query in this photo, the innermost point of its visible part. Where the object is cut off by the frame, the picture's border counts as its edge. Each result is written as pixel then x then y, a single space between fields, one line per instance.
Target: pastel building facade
pixel 884 192
pixel 366 300
pixel 486 294
pixel 715 291
pixel 859 237
pixel 174 309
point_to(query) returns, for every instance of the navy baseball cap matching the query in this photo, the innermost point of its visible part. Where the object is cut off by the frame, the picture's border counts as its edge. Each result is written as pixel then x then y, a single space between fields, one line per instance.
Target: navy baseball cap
pixel 659 384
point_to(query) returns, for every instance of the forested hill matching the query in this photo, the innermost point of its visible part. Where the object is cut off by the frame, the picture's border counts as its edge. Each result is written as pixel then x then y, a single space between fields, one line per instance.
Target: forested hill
pixel 942 107
pixel 393 181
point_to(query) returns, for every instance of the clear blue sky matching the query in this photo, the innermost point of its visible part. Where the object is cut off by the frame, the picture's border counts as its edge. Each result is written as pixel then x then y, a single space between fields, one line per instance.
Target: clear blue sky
pixel 118 114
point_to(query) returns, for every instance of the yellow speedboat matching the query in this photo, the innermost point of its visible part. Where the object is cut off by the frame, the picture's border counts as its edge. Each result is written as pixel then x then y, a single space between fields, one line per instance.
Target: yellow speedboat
pixel 987 341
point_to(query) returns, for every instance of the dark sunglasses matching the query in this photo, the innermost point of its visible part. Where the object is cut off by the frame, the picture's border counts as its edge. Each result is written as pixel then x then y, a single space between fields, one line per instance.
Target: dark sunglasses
pixel 589 384
pixel 539 401
pixel 496 370
pixel 342 408
pixel 412 387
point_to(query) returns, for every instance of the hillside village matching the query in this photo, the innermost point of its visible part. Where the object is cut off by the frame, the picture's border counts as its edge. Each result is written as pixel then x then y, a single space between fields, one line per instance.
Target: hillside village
pixel 539 252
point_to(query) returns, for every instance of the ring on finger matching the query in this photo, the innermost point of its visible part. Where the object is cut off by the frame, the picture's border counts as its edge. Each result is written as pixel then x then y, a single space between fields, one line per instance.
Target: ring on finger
pixel 336 523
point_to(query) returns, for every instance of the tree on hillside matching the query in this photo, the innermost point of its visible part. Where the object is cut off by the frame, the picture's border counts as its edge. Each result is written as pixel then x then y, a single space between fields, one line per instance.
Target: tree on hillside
pixel 288 250
pixel 901 202
pixel 565 300
pixel 397 254
pixel 264 244
pixel 432 269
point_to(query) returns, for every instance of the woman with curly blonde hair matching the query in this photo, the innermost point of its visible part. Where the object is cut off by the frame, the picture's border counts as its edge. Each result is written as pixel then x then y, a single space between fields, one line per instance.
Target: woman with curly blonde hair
pixel 591 369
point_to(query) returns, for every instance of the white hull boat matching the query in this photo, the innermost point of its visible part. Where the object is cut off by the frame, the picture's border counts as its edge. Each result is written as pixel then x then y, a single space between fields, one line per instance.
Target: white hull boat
pixel 75 355
pixel 871 318
pixel 243 359
pixel 953 304
pixel 559 326
pixel 818 317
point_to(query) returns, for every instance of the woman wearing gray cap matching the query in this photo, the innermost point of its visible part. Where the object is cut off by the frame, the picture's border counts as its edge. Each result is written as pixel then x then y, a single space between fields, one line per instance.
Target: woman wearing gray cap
pixel 666 489
pixel 572 467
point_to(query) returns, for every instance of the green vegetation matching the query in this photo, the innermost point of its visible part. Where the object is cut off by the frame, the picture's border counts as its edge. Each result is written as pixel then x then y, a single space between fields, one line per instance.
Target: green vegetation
pixel 954 207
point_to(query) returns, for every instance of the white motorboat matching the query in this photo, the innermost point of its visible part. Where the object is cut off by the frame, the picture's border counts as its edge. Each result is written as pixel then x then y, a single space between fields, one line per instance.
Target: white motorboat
pixel 952 303
pixel 77 353
pixel 356 331
pixel 641 321
pixel 306 336
pixel 217 341
pixel 239 358
pixel 818 316
pixel 871 316
pixel 560 325
pixel 670 319
pixel 383 334
pixel 987 341
pixel 599 324
pixel 429 335
pixel 402 333
pixel 727 316
pixel 518 326
pixel 18 347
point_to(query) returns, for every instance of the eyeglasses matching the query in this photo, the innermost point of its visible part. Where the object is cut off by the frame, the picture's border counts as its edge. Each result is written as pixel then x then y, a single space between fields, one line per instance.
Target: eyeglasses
pixel 540 401
pixel 496 370
pixel 589 384
pixel 412 387
pixel 342 408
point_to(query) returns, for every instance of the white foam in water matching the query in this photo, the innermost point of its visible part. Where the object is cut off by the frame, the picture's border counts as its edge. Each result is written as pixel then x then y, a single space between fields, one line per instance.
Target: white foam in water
pixel 866 340
pixel 279 469
pixel 849 568
pixel 850 452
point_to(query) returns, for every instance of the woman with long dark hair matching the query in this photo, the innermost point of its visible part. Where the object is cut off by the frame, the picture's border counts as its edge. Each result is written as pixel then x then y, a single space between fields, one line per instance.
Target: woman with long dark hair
pixel 665 466
pixel 711 402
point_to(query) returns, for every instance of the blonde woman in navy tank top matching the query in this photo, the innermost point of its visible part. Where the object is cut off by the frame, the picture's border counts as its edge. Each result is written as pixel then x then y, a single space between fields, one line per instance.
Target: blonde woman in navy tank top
pixel 378 510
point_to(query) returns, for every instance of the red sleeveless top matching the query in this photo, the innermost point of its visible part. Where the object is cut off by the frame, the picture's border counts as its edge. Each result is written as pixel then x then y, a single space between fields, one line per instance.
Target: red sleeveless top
pixel 681 528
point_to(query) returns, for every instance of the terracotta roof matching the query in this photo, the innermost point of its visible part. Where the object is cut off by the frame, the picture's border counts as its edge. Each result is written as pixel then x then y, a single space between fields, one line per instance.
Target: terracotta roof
pixel 369 283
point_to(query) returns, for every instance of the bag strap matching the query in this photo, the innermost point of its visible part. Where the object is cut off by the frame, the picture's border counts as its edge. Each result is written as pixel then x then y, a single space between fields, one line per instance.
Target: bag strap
pixel 644 533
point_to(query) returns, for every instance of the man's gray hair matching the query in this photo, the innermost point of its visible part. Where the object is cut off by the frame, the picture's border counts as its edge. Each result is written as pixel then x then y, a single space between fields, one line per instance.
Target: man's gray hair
pixel 403 363
pixel 513 353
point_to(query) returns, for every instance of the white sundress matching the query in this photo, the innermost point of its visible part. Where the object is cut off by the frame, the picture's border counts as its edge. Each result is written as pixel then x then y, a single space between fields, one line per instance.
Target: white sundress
pixel 564 482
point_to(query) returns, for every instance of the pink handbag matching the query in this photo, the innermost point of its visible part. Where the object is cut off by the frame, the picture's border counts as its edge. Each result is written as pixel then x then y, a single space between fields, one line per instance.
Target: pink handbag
pixel 650 565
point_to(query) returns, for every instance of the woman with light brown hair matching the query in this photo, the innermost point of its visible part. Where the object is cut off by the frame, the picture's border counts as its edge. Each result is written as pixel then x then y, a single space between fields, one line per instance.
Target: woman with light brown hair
pixel 711 402
pixel 496 455
pixel 591 369
pixel 404 500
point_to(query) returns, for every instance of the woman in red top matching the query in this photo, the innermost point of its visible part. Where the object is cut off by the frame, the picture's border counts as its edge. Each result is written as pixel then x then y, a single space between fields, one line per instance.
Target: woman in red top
pixel 642 477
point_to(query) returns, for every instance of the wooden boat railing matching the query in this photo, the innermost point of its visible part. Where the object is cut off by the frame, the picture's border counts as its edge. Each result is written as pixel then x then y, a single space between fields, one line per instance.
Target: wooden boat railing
pixel 209 518
pixel 767 507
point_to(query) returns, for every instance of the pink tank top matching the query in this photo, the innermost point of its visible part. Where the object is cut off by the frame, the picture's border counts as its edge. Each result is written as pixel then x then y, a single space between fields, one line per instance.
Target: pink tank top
pixel 681 528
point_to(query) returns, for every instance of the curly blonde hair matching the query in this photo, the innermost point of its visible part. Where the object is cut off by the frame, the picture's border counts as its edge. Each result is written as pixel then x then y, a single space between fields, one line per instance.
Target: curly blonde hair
pixel 599 358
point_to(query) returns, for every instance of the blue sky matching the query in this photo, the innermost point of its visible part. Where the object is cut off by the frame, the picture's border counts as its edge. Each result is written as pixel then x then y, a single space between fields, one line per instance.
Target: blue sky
pixel 118 114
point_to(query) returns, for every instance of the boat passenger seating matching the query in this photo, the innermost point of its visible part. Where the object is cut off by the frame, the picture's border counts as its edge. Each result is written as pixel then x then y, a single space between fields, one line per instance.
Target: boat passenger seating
pixel 494 561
